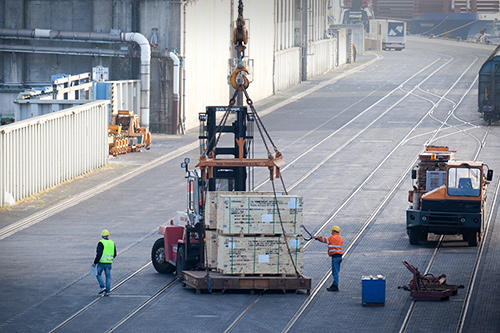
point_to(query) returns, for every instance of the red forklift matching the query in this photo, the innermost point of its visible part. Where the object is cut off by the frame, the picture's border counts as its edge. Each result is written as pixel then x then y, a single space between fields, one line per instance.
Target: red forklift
pixel 226 163
pixel 182 246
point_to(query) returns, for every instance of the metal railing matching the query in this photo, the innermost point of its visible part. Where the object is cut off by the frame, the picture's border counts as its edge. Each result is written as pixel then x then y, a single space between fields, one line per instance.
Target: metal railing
pixel 41 152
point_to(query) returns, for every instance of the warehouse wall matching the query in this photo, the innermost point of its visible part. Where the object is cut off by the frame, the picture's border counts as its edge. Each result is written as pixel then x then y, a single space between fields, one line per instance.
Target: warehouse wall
pixel 199 30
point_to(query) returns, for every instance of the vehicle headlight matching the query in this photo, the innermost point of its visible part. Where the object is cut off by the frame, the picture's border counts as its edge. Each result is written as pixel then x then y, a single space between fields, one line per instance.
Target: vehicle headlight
pixel 424 218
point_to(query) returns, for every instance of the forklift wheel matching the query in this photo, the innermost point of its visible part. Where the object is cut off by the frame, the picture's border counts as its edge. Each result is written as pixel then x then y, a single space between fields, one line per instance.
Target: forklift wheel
pixel 181 263
pixel 414 236
pixel 179 266
pixel 158 258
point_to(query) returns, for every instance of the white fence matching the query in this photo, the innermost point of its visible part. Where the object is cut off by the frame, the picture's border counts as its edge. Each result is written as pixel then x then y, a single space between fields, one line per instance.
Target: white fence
pixel 125 95
pixel 41 152
pixel 287 68
pixel 321 57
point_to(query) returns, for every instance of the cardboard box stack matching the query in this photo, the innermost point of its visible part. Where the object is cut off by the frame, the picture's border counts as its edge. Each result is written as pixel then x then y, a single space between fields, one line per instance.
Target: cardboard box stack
pixel 431 161
pixel 245 235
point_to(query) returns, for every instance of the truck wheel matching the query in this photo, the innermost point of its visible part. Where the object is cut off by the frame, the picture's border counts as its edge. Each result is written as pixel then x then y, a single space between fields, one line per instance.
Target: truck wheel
pixel 158 258
pixel 472 238
pixel 414 236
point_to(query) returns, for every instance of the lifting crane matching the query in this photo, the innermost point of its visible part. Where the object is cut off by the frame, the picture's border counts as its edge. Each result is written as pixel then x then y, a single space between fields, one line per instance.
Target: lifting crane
pixel 182 246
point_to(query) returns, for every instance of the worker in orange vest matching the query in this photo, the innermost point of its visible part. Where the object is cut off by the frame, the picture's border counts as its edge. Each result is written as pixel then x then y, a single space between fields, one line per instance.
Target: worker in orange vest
pixel 335 252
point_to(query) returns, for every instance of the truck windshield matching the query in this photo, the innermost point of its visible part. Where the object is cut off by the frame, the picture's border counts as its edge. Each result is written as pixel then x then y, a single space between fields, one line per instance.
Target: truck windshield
pixel 464 182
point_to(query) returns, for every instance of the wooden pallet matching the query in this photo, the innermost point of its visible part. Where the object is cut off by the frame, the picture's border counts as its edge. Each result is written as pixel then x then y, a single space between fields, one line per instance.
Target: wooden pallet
pixel 215 281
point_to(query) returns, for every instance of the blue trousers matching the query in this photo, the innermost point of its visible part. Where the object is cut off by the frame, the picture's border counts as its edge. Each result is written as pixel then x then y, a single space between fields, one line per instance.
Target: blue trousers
pixel 336 269
pixel 107 272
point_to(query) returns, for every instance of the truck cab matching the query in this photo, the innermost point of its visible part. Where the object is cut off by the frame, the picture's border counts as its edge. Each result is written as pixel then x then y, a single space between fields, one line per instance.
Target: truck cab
pixel 448 197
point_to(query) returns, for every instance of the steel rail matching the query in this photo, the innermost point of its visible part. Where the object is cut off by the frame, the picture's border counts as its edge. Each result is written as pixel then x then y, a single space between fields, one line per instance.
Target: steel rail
pixel 134 172
pixel 68 203
pixel 367 179
pixel 406 321
pixel 140 307
pixel 171 283
pixel 477 262
pixel 382 204
pixel 79 312
pixel 315 291
pixel 238 319
pixel 242 314
pixel 350 122
pixel 44 214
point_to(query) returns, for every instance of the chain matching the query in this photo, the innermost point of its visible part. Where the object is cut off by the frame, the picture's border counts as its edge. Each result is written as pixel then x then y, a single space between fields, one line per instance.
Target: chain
pixel 259 121
pixel 283 230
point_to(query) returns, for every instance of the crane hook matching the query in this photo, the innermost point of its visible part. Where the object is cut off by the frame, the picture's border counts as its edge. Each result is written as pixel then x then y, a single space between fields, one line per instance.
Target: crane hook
pixel 234 78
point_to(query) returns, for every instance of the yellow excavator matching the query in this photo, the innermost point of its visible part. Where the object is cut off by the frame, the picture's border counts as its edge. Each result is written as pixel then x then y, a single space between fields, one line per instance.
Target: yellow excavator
pixel 125 135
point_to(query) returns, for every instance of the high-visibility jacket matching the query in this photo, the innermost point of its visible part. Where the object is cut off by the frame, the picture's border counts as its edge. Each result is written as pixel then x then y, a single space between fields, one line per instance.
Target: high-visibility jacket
pixel 334 244
pixel 108 252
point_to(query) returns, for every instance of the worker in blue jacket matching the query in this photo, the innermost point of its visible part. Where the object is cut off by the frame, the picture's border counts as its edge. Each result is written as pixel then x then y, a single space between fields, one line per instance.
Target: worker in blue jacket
pixel 105 253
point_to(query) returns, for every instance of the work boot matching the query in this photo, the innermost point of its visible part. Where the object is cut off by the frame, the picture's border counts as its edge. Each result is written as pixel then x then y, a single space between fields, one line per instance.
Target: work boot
pixel 333 288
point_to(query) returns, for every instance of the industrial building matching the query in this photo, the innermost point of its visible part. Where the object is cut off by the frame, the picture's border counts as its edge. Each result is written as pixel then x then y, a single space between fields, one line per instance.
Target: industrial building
pixel 190 53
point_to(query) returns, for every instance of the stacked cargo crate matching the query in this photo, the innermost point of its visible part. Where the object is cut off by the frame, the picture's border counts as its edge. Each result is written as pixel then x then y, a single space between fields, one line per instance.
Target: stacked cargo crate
pixel 245 233
pixel 432 160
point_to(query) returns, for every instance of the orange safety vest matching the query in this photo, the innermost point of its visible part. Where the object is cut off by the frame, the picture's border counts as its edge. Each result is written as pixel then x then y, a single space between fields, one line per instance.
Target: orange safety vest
pixel 334 244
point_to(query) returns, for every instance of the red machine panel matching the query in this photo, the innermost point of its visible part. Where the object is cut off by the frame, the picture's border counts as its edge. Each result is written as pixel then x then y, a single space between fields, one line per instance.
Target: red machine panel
pixel 172 236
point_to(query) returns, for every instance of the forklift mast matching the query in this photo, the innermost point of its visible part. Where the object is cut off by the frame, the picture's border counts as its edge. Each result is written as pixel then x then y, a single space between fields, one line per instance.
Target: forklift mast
pixel 227 178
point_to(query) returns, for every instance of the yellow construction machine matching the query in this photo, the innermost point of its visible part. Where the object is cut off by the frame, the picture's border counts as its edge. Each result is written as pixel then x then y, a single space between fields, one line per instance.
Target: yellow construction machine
pixel 125 135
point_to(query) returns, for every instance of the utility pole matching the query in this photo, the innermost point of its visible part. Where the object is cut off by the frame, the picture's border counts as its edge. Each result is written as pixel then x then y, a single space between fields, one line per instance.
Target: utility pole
pixel 304 39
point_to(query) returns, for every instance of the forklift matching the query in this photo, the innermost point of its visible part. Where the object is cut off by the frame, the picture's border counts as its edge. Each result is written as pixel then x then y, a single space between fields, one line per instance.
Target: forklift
pixel 182 246
pixel 220 168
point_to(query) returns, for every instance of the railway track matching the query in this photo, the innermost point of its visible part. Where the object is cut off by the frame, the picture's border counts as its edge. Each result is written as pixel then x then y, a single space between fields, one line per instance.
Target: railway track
pixel 372 217
pixel 406 139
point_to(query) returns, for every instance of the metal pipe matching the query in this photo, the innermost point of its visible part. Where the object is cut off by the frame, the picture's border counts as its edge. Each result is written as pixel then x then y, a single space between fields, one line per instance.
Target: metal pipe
pixel 145 72
pixel 183 101
pixel 62 35
pixel 175 99
pixel 62 50
pixel 100 36
pixel 305 41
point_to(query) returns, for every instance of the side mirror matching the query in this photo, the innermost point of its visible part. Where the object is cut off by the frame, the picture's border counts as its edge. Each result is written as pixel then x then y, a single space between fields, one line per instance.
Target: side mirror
pixel 489 175
pixel 413 174
pixel 185 164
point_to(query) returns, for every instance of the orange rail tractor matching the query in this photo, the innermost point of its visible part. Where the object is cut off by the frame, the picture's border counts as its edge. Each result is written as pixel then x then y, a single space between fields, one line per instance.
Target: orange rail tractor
pixel 448 196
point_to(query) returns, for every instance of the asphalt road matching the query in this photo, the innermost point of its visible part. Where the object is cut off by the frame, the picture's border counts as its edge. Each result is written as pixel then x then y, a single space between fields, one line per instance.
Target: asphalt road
pixel 350 138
